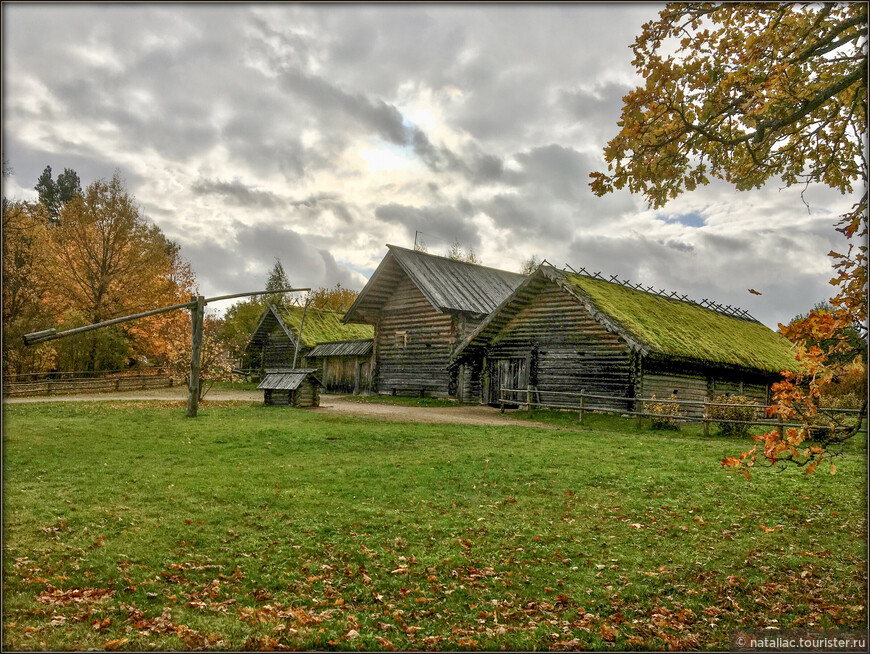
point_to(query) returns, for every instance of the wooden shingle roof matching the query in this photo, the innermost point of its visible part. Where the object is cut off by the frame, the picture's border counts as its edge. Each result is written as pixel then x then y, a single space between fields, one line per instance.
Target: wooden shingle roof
pixel 287 379
pixel 448 285
pixel 357 348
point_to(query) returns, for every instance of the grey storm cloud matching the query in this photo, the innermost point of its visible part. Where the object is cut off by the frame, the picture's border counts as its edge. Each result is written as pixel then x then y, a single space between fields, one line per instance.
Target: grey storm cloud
pixel 230 266
pixel 237 194
pixel 562 172
pixel 370 113
pixel 678 245
pixel 441 225
pixel 240 195
pixel 598 108
pixel 384 119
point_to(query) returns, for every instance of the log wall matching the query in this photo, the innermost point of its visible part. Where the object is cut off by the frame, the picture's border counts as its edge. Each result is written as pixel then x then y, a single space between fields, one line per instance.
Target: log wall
pixel 278 349
pixel 698 383
pixel 756 391
pixel 413 343
pixel 417 359
pixel 566 351
pixel 691 388
pixel 308 394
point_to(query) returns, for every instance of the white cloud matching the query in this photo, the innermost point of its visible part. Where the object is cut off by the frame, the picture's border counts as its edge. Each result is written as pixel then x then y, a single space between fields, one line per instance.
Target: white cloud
pixel 243 129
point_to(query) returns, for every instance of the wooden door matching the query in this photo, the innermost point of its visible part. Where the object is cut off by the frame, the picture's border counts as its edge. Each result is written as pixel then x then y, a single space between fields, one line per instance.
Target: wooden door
pixel 507 373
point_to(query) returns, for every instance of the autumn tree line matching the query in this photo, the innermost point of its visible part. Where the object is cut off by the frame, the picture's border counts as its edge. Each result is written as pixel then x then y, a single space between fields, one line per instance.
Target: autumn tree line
pixel 78 256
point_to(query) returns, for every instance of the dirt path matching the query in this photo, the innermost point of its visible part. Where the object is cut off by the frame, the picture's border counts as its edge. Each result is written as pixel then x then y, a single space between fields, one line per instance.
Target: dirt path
pixel 459 415
pixel 329 405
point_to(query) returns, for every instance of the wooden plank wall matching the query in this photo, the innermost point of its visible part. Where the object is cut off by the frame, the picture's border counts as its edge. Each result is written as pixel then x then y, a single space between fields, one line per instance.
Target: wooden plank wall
pixel 701 385
pixel 421 363
pixel 339 373
pixel 574 351
pixel 755 391
pixel 692 388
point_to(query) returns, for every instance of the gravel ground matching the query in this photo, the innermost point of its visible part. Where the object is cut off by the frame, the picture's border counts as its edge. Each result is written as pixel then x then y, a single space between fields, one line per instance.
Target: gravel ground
pixel 329 404
pixel 460 414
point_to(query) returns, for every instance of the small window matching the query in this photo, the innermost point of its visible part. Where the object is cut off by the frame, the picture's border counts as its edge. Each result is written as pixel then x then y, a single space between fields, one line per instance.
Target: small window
pixel 401 339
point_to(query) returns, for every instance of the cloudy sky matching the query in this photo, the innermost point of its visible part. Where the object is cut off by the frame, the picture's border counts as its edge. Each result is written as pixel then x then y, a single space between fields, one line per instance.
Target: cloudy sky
pixel 319 133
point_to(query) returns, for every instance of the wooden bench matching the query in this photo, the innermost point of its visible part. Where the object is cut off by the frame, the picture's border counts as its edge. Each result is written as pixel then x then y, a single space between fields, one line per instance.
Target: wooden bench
pixel 413 390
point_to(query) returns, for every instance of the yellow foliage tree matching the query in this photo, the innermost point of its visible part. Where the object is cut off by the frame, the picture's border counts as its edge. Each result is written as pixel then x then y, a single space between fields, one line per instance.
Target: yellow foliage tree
pixel 749 92
pixel 24 310
pixel 336 298
pixel 103 260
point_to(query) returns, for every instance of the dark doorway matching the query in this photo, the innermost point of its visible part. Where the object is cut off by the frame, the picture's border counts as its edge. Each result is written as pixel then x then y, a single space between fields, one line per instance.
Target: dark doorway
pixel 510 374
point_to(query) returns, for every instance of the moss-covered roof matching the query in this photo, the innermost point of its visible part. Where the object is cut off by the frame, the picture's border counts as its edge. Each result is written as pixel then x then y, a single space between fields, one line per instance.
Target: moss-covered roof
pixel 322 325
pixel 682 329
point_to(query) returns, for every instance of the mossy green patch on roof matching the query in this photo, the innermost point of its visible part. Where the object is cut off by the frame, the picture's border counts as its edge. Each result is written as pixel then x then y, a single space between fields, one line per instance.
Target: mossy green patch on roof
pixel 681 329
pixel 322 325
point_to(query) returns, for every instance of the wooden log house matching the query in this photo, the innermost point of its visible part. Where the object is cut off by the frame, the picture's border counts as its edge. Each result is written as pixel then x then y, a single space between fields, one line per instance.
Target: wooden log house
pixel 566 332
pixel 273 343
pixel 421 306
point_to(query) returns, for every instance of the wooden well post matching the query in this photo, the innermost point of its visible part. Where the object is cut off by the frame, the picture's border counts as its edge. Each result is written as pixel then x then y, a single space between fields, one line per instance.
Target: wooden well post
pixel 197 318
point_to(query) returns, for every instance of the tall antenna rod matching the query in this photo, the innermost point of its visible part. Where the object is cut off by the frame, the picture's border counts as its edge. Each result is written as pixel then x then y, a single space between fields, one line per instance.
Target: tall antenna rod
pixel 299 335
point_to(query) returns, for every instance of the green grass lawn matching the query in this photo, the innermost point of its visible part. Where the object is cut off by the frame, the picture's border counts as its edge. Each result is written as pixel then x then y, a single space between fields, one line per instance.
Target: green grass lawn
pixel 129 526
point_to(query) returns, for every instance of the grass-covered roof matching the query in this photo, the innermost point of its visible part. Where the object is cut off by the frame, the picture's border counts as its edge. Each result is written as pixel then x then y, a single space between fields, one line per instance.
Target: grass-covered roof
pixel 322 325
pixel 682 329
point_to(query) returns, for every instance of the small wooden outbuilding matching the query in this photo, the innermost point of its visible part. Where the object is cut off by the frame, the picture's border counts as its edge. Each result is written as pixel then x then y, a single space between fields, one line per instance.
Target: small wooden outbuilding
pixel 345 366
pixel 298 387
pixel 273 343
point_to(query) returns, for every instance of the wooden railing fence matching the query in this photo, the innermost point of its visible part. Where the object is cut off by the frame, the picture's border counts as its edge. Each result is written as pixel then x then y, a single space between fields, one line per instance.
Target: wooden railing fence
pixel 88 384
pixel 531 399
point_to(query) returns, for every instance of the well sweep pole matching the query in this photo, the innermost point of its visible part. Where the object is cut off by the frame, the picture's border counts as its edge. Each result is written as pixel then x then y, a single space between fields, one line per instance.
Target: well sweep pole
pixel 197 315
